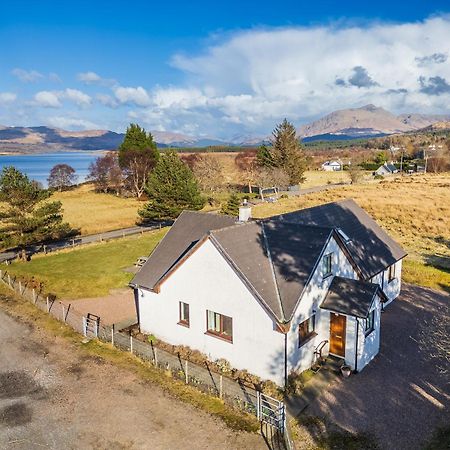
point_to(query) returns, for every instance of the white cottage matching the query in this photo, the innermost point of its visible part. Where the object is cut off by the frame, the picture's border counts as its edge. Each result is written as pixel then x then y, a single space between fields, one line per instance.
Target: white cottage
pixel 270 295
pixel 332 166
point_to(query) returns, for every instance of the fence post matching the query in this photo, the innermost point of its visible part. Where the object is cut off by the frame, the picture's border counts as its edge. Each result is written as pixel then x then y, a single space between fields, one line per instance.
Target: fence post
pixel 156 357
pixel 186 376
pixel 73 243
pixel 258 405
pixel 84 325
pixel 112 335
pixel 9 280
pixel 221 387
pixel 131 343
pixel 34 296
pixel 1 274
pixel 48 306
pixel 20 287
pixel 63 315
pixel 45 249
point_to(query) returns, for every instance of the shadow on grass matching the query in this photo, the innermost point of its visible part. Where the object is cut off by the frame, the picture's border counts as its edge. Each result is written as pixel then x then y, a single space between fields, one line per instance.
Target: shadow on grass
pixel 326 435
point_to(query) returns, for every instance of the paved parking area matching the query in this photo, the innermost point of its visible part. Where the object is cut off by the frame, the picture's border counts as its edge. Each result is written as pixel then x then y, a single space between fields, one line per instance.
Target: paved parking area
pixel 404 393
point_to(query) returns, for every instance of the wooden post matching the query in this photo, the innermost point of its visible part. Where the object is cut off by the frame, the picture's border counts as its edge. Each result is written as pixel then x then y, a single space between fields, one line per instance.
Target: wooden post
pixel 20 287
pixel 63 315
pixel 112 335
pixel 156 357
pixel 84 325
pixel 131 343
pixel 258 403
pixel 186 372
pixel 221 387
pixel 34 295
pixel 73 242
pixel 48 306
pixel 1 274
pixel 9 280
pixel 45 249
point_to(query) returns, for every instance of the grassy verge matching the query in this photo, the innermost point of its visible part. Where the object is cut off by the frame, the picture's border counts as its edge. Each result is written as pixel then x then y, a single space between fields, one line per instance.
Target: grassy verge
pixel 417 272
pixel 29 314
pixel 88 271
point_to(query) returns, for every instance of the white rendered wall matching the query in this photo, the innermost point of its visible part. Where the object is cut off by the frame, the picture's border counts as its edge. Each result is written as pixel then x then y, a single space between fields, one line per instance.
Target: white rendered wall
pixel 391 289
pixel 206 282
pixel 300 359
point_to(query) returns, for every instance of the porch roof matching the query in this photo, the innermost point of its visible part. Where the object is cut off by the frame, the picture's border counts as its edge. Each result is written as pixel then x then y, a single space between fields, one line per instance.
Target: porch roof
pixel 350 297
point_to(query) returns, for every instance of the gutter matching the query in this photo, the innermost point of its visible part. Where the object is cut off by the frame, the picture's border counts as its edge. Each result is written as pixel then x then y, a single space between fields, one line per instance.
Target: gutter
pixel 285 362
pixel 356 345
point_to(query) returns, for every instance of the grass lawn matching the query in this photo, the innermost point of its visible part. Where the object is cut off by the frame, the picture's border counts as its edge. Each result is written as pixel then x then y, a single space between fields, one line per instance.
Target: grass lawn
pixel 93 212
pixel 89 271
pixel 414 210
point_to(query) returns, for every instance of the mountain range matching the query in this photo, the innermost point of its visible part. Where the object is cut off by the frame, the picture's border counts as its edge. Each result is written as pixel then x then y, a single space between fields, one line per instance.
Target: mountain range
pixel 367 121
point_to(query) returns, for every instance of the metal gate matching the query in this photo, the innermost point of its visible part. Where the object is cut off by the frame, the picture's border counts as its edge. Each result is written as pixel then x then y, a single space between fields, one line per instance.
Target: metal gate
pixel 90 325
pixel 271 411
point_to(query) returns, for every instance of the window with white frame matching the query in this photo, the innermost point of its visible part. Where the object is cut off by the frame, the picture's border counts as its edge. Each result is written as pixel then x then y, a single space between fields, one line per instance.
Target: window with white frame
pixel 391 273
pixel 327 265
pixel 369 323
pixel 184 314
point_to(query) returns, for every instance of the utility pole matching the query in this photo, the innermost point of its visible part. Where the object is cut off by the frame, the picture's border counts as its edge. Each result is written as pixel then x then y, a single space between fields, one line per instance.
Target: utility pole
pixel 401 161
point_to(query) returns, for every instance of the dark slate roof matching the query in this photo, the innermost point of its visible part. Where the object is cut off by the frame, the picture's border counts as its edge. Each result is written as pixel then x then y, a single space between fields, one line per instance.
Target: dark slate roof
pixel 350 297
pixel 188 229
pixel 372 249
pixel 391 168
pixel 274 258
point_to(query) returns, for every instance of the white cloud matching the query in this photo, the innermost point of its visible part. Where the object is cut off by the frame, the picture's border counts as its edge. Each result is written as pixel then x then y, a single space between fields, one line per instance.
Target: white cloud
pixel 52 76
pixel 94 78
pixel 7 97
pixel 27 76
pixel 131 95
pixel 107 100
pixel 76 96
pixel 257 77
pixel 47 99
pixel 68 123
pixel 52 99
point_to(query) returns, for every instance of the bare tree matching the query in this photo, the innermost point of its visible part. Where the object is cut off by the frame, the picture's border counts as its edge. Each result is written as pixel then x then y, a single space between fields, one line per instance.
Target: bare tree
pixel 208 172
pixel 355 173
pixel 248 168
pixel 106 173
pixel 62 176
pixel 268 177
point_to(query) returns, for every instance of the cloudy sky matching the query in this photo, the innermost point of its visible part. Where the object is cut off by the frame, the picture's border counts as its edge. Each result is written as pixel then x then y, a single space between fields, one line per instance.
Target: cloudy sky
pixel 206 70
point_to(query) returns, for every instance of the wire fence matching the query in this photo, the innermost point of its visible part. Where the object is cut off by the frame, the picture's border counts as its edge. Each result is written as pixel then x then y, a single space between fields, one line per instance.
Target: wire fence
pixel 236 393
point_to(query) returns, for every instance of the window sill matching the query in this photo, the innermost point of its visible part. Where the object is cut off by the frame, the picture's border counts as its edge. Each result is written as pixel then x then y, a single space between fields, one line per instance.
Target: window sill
pixel 369 332
pixel 220 336
pixel 309 338
pixel 184 324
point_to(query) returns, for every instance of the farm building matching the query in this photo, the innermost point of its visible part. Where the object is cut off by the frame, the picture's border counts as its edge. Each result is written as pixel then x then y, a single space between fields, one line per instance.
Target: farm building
pixel 386 169
pixel 332 166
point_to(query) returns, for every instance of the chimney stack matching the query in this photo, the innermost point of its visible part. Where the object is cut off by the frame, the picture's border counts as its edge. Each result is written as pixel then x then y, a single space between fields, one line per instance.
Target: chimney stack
pixel 245 212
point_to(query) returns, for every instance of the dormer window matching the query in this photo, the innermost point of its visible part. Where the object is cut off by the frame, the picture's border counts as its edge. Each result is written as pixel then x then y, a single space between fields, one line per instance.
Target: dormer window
pixel 327 265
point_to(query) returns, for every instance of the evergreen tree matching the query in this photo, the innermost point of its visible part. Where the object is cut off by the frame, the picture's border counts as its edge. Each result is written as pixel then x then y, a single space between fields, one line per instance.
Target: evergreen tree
pixel 138 155
pixel 171 188
pixel 285 153
pixel 264 157
pixel 25 216
pixel 231 207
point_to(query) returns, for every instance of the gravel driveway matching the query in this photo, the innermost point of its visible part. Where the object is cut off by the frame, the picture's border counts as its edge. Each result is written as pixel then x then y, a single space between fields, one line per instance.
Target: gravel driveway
pixel 404 393
pixel 54 397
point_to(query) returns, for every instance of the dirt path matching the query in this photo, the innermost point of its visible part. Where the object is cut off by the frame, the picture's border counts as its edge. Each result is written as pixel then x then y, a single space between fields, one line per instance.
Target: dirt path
pixel 52 396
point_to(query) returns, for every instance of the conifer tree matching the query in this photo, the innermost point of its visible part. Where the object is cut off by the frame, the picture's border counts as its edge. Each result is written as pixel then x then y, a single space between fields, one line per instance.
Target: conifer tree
pixel 26 218
pixel 171 188
pixel 138 155
pixel 231 207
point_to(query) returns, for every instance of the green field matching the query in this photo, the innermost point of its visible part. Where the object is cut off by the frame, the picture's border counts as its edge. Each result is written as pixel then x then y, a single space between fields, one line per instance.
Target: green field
pixel 89 271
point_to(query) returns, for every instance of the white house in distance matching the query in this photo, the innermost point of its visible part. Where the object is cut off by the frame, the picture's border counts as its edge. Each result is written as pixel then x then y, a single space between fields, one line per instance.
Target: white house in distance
pixel 267 294
pixel 332 166
pixel 386 169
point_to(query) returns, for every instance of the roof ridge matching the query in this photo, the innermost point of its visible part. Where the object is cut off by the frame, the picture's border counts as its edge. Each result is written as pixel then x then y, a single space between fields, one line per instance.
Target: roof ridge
pixel 277 288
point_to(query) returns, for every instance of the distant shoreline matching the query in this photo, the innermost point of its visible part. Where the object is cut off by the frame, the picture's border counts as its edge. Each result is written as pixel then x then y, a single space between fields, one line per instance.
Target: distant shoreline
pixel 47 151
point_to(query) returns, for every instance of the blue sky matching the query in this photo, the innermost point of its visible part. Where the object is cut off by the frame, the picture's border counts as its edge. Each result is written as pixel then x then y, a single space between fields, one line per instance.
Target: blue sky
pixel 204 68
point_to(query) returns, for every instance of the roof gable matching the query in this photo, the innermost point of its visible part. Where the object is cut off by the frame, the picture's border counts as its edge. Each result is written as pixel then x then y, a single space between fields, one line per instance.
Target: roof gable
pixel 186 231
pixel 372 249
pixel 275 258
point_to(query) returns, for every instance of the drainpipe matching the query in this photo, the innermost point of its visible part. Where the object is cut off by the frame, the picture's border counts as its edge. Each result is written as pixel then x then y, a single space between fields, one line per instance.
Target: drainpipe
pixel 285 362
pixel 356 345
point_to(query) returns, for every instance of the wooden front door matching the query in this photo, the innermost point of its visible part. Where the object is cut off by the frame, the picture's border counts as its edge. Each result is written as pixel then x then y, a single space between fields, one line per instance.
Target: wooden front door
pixel 337 334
